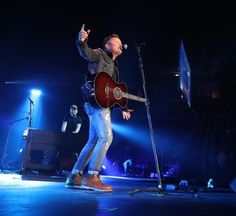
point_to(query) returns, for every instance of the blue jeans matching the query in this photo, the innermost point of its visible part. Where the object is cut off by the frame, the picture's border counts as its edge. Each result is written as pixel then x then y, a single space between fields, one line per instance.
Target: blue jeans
pixel 100 139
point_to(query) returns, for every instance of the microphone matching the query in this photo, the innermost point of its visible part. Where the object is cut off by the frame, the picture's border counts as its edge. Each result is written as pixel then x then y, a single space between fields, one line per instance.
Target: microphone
pixel 125 46
pixel 32 102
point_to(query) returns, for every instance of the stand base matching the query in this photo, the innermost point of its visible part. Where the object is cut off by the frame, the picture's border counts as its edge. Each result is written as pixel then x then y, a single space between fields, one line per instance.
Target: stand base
pixel 160 191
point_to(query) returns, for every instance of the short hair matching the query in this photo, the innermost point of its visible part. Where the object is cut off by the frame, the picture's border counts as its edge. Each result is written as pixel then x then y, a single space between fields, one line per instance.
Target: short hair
pixel 73 107
pixel 109 37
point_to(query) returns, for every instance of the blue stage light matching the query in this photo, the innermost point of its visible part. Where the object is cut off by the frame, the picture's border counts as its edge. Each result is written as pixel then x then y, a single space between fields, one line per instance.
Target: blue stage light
pixel 36 92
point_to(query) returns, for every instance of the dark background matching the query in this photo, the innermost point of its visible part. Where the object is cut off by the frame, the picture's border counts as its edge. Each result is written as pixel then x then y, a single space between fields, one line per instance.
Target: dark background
pixel 38 49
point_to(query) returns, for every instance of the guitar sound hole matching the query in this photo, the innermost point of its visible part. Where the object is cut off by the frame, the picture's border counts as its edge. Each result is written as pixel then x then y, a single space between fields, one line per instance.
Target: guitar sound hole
pixel 117 93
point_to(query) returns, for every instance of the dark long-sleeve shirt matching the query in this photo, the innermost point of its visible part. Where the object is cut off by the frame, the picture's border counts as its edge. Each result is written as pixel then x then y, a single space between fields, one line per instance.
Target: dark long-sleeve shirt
pixel 99 61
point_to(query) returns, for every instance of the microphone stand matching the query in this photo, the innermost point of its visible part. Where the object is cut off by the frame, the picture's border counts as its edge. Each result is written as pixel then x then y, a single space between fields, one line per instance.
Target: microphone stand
pixel 31 113
pixel 29 117
pixel 160 186
pixel 4 154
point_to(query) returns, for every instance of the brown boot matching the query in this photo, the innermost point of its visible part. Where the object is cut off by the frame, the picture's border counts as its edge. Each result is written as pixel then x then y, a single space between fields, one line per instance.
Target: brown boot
pixel 74 181
pixel 94 182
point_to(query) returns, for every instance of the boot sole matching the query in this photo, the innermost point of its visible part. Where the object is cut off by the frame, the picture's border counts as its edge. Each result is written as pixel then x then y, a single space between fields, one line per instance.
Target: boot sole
pixel 95 189
pixel 74 186
pixel 86 188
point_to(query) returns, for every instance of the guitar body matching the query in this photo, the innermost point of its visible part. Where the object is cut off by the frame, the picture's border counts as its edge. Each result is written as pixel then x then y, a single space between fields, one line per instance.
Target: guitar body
pixel 108 92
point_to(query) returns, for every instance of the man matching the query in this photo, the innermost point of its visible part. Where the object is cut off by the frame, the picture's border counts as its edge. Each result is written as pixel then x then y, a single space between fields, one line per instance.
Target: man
pixel 100 131
pixel 71 123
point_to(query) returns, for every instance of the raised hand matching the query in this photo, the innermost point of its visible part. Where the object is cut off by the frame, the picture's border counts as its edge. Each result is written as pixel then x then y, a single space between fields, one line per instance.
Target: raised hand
pixel 83 35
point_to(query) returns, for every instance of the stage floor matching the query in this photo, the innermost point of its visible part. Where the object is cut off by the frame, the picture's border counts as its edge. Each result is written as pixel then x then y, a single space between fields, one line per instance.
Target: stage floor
pixel 33 197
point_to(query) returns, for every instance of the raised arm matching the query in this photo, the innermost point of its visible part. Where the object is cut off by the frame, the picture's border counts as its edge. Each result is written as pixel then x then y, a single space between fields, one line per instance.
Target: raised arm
pixel 85 51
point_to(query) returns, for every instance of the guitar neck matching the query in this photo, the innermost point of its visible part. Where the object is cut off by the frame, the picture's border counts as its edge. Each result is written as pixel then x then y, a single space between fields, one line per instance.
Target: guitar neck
pixel 133 97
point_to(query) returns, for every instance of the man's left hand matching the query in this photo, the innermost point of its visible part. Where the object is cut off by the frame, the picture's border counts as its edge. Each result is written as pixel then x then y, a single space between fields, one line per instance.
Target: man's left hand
pixel 127 114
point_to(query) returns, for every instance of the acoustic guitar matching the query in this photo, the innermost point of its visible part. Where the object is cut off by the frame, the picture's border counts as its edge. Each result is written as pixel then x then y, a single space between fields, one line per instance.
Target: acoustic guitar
pixel 108 92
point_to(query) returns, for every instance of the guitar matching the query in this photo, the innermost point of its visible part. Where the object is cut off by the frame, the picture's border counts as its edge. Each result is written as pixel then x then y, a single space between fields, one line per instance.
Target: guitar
pixel 108 92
